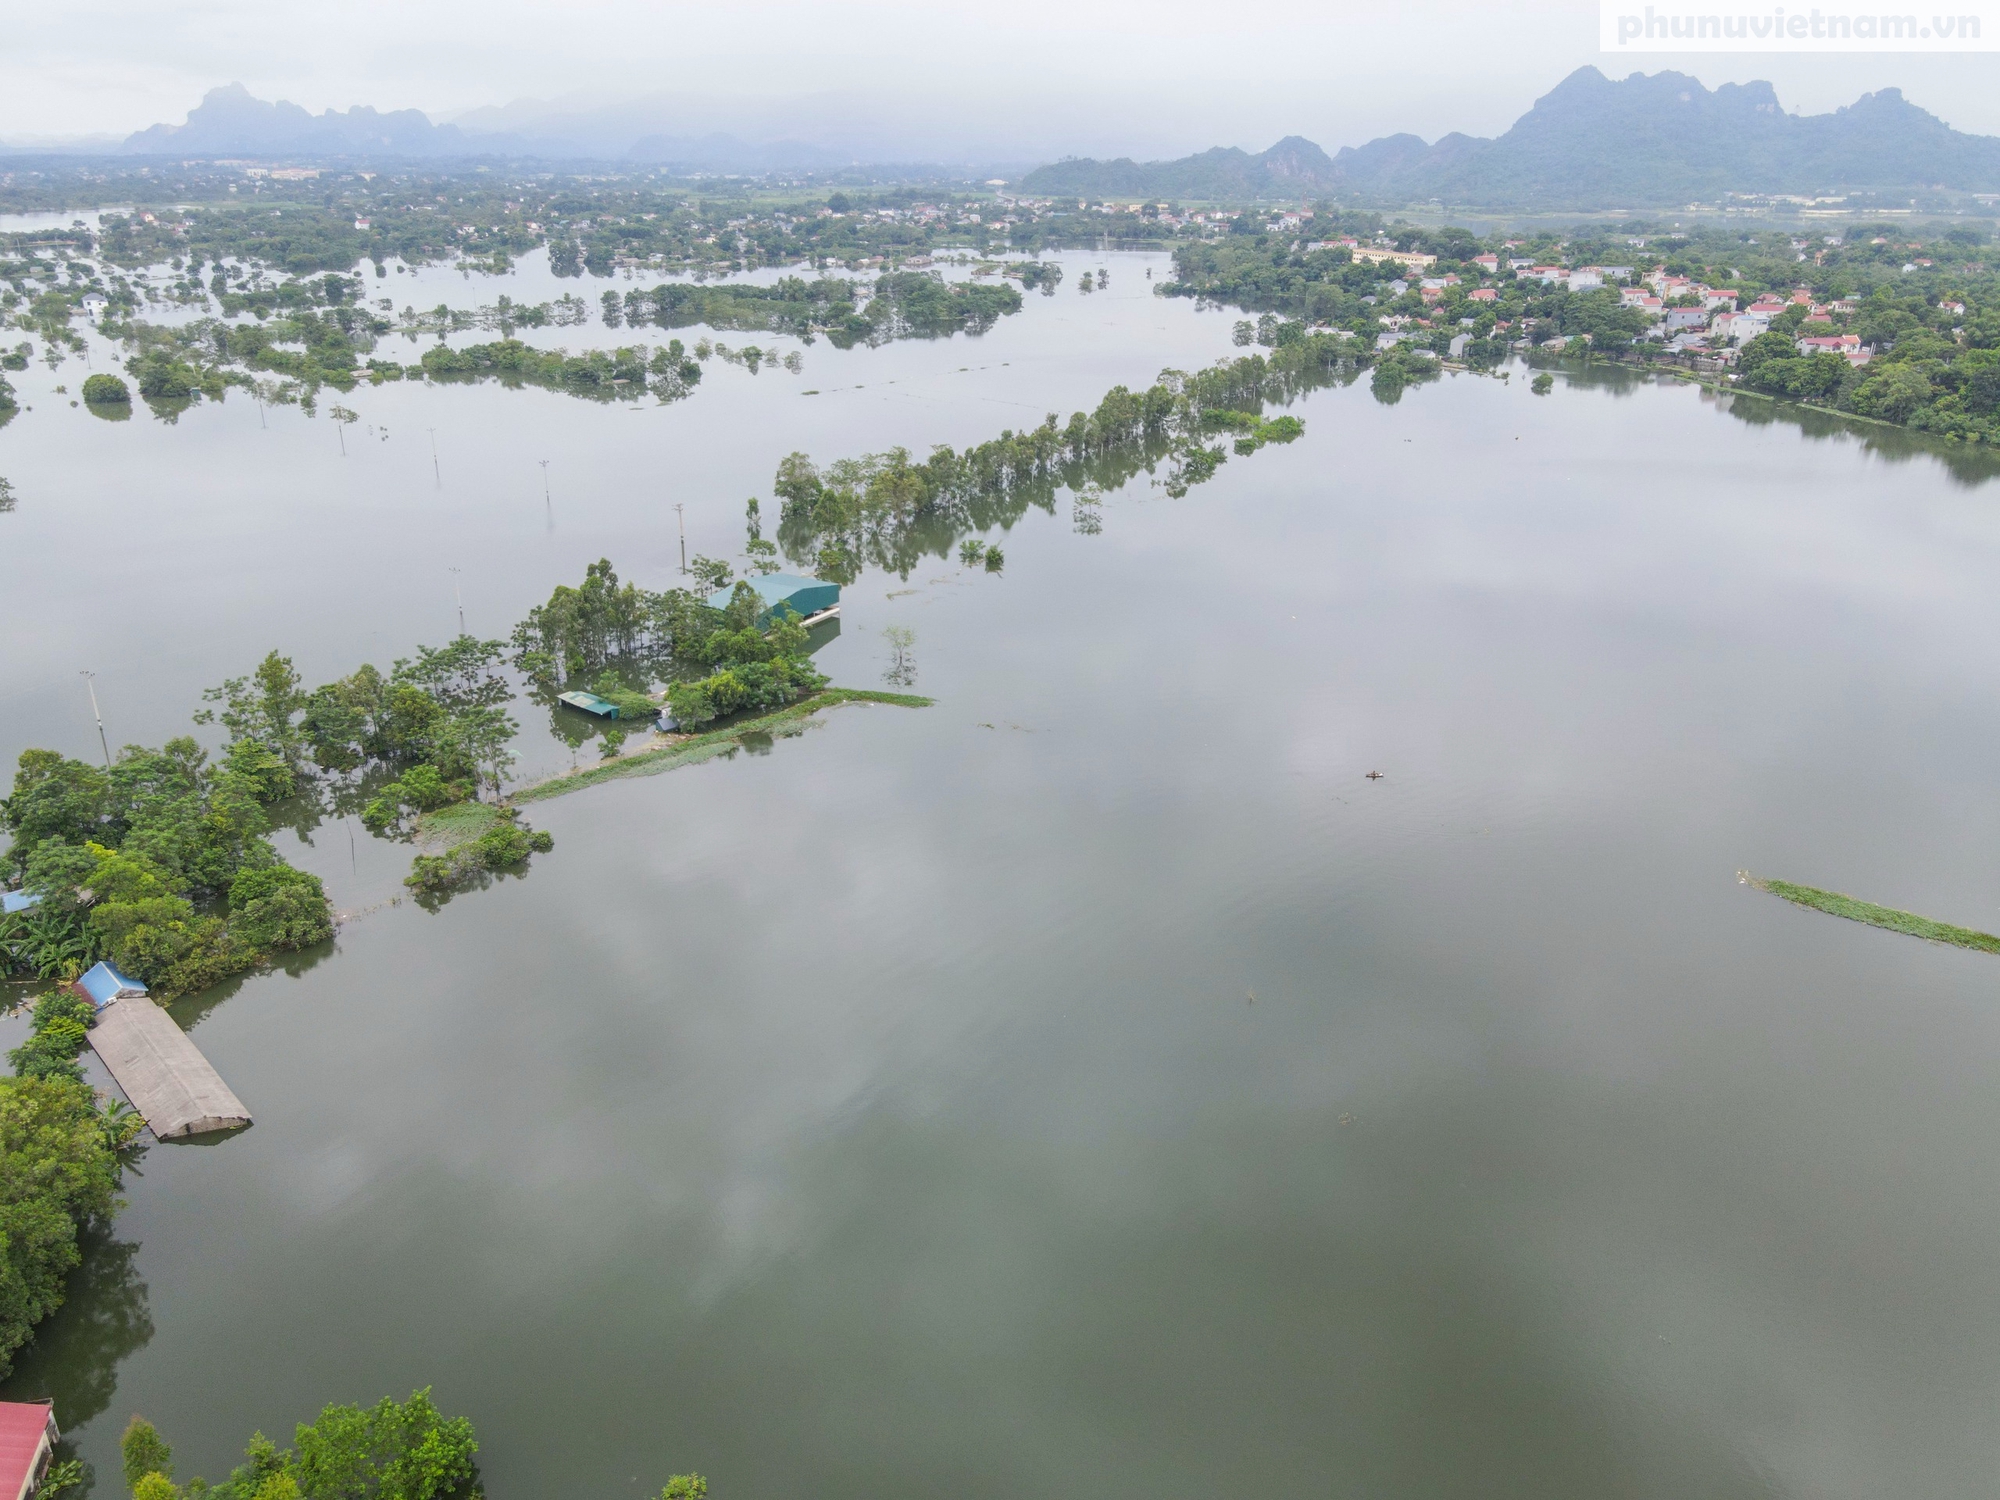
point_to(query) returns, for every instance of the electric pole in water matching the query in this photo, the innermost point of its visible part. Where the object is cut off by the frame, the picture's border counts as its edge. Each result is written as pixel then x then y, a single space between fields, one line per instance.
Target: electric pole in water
pixel 90 682
pixel 678 511
pixel 460 599
pixel 435 474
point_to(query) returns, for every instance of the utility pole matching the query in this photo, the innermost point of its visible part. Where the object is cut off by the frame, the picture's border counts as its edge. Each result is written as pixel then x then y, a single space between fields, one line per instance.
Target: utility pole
pixel 545 478
pixel 435 474
pixel 460 598
pixel 678 511
pixel 89 681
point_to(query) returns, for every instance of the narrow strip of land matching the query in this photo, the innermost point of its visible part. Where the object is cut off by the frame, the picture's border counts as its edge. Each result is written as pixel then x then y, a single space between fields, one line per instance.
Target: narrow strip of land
pixel 1836 905
pixel 688 749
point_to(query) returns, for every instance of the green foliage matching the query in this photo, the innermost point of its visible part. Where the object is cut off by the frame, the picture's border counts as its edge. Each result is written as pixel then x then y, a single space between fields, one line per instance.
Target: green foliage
pixel 262 708
pixel 500 848
pixel 892 509
pixel 421 789
pixel 1543 383
pixel 630 705
pixel 144 1452
pixel 269 777
pixel 1817 377
pixel 740 686
pixel 106 390
pixel 603 375
pixel 54 797
pixel 1835 904
pixel 155 1487
pixel 55 1172
pixel 58 1033
pixel 49 941
pixel 279 909
pixel 122 859
pixel 581 630
pixel 393 1450
pixel 1278 430
pixel 685 1487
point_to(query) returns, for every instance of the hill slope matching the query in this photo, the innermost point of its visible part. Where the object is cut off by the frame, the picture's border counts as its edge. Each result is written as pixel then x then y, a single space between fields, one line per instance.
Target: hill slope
pixel 230 121
pixel 1590 143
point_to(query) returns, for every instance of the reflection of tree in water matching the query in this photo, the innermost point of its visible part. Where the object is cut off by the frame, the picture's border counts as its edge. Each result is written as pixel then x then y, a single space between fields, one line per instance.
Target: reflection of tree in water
pixel 74 1355
pixel 191 1010
pixel 1970 467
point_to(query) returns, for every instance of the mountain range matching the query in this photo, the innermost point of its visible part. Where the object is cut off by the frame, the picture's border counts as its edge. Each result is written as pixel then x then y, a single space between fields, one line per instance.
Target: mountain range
pixel 231 122
pixel 1590 142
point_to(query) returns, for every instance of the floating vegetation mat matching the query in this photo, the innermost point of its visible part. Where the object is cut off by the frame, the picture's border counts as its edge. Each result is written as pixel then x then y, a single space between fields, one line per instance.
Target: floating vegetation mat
pixel 461 823
pixel 700 747
pixel 1836 905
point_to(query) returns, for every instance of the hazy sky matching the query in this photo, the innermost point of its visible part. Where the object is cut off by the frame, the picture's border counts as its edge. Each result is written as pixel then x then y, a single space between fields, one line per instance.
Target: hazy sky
pixel 1162 77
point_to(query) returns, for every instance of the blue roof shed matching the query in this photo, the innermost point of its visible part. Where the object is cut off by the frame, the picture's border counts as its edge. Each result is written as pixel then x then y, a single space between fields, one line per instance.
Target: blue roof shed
pixel 13 901
pixel 103 984
pixel 806 596
pixel 590 703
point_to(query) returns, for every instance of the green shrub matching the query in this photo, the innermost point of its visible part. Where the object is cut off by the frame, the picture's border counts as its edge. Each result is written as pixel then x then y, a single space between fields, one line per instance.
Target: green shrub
pixel 106 390
pixel 278 909
pixel 498 848
pixel 58 1034
pixel 144 1452
pixel 56 1171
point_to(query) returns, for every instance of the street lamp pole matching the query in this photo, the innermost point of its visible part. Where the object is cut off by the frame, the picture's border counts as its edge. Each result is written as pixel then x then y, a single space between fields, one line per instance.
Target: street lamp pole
pixel 460 599
pixel 89 681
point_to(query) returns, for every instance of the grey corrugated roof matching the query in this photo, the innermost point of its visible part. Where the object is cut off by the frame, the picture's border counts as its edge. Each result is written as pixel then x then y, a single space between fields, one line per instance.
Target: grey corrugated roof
pixel 172 1086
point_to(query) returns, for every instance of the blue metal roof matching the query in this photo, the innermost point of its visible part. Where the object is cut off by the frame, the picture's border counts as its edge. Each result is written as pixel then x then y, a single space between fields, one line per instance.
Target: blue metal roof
pixel 103 984
pixel 13 901
pixel 590 703
pixel 773 589
pixel 806 596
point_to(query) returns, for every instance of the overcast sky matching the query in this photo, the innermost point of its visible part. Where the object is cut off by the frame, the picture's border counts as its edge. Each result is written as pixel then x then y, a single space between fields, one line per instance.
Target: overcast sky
pixel 1163 77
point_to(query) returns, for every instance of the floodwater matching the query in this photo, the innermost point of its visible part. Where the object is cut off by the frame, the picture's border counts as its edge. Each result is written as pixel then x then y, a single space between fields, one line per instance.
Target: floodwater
pixel 1094 1084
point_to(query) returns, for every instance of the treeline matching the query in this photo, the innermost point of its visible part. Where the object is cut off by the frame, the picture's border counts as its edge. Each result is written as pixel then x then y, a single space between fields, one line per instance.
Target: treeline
pixel 1925 310
pixel 159 863
pixel 904 304
pixel 62 1154
pixel 1332 287
pixel 667 373
pixel 890 510
pixel 393 1450
pixel 715 662
pixel 1923 379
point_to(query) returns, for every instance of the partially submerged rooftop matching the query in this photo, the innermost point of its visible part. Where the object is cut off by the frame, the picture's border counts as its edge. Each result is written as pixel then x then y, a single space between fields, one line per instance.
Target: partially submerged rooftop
pixel 173 1087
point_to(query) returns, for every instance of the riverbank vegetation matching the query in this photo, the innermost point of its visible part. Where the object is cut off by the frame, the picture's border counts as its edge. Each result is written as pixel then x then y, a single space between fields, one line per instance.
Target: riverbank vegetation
pixel 393 1450
pixel 62 1151
pixel 892 510
pixel 1920 311
pixel 693 749
pixel 159 863
pixel 1836 905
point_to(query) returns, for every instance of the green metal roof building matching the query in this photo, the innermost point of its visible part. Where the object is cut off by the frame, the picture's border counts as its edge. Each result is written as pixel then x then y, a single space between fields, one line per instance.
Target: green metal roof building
pixel 806 597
